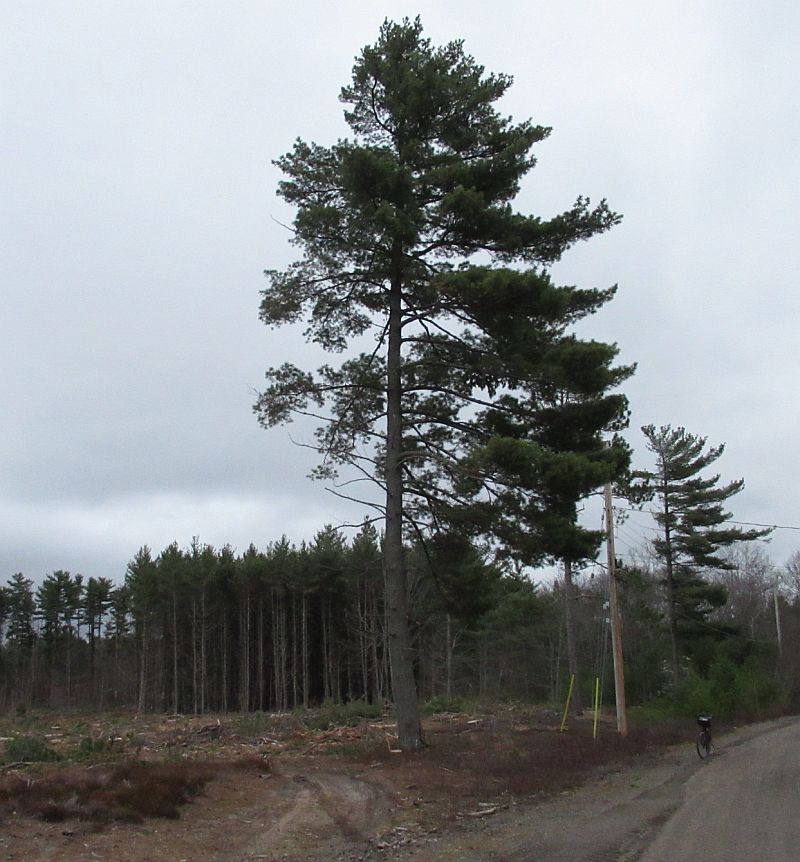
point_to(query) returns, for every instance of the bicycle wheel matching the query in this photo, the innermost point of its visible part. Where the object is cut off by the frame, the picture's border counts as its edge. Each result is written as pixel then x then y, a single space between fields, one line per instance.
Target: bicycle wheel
pixel 704 747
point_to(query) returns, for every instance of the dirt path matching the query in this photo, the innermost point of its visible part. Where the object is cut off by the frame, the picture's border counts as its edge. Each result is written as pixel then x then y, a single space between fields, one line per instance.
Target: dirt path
pixel 284 815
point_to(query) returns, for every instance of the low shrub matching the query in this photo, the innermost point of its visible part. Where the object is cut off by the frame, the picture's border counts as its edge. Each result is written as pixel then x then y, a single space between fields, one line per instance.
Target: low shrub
pixel 332 714
pixel 127 791
pixel 29 749
pixel 266 723
pixel 442 703
pixel 91 748
pixel 729 691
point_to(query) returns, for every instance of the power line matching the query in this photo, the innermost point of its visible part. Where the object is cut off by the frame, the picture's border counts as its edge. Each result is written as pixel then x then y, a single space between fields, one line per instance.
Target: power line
pixel 771 526
pixel 738 523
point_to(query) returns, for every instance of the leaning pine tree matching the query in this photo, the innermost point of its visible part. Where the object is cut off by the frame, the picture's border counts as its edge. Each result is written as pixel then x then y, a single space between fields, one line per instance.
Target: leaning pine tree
pixel 390 225
pixel 694 526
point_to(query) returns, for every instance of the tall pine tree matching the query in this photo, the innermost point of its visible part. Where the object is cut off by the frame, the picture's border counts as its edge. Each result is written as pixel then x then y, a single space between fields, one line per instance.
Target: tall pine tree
pixel 391 225
pixel 694 527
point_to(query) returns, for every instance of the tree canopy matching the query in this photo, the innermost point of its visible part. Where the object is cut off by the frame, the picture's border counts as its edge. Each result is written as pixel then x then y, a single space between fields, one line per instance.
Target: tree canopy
pixel 408 235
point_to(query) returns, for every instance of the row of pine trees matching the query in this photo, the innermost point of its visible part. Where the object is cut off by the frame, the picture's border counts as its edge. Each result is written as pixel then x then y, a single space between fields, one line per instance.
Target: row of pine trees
pixel 199 629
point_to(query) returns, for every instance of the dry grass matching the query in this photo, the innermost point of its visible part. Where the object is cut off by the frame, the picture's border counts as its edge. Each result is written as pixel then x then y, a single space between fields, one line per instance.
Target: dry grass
pixel 139 768
pixel 125 791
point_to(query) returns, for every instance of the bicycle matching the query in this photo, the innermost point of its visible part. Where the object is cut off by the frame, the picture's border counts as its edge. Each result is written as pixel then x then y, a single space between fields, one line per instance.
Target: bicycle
pixel 705 748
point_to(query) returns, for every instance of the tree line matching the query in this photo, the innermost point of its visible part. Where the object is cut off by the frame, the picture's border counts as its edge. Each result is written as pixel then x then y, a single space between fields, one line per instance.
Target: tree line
pixel 199 629
pixel 202 629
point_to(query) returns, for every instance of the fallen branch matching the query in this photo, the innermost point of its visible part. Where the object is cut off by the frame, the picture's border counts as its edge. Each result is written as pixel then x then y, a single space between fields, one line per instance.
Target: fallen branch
pixel 7 766
pixel 483 812
pixel 324 737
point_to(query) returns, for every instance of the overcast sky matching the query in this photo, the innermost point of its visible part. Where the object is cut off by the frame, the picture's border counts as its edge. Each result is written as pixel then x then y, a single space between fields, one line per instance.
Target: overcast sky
pixel 138 206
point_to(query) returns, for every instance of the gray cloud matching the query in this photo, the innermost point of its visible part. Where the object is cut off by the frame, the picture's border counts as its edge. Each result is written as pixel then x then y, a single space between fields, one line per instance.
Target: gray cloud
pixel 138 211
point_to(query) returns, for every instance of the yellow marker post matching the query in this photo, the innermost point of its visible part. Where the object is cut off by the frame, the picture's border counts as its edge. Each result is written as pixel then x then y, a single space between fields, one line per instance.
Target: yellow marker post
pixel 596 705
pixel 569 700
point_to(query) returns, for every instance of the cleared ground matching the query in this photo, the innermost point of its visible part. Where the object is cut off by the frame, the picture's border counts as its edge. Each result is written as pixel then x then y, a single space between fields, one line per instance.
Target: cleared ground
pixel 271 788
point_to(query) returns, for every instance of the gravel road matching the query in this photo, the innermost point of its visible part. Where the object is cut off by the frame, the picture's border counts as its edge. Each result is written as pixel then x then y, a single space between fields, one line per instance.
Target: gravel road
pixel 740 804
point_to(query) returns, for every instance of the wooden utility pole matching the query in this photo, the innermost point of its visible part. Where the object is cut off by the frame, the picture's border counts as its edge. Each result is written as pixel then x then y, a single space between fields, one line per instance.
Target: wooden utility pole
pixel 616 619
pixel 775 595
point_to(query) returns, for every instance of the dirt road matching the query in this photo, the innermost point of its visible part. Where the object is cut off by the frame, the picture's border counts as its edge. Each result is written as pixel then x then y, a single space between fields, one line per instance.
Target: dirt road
pixel 741 804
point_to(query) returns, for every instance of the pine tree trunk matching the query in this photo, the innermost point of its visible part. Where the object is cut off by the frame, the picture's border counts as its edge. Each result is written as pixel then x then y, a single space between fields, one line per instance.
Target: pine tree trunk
pixel 276 651
pixel 195 662
pixel 224 645
pixel 483 662
pixel 404 691
pixel 304 626
pixel 284 654
pixel 261 658
pixel 114 688
pixel 326 682
pixel 34 676
pixel 569 627
pixel 68 629
pixel 92 662
pixel 203 653
pixel 244 625
pixel 295 681
pixel 449 660
pixel 174 653
pixel 363 642
pixel 140 706
pixel 671 599
pixel 377 647
pixel 276 672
